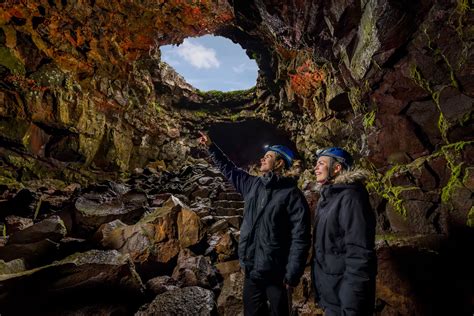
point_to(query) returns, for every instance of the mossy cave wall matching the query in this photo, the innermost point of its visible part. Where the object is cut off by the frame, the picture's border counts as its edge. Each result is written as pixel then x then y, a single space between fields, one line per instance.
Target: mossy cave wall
pixel 84 95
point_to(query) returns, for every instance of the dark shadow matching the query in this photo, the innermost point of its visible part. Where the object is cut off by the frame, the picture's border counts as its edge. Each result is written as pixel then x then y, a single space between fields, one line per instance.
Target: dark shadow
pixel 243 142
pixel 437 281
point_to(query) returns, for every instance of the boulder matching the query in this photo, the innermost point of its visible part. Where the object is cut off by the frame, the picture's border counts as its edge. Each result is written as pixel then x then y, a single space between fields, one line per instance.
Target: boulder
pixel 87 275
pixel 154 242
pixel 96 208
pixel 16 223
pixel 227 267
pixel 226 247
pixel 191 300
pixel 151 241
pixel 161 284
pixel 193 270
pixel 51 228
pixel 190 229
pixel 34 253
pixel 230 301
pixel 11 267
pixel 35 244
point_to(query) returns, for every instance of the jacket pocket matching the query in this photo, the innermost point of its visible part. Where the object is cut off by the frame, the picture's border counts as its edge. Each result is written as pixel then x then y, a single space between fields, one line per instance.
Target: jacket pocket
pixel 334 264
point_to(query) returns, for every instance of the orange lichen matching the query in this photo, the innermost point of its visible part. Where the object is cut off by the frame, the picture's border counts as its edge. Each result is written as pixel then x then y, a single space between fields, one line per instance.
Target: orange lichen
pixel 25 83
pixel 6 15
pixel 306 79
pixel 124 30
pixel 193 18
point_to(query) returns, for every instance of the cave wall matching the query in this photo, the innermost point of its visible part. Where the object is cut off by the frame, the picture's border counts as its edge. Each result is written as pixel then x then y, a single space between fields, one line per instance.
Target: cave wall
pixel 84 95
pixel 392 82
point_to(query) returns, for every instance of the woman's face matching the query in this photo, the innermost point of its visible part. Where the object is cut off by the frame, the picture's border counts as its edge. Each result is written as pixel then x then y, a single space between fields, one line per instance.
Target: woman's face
pixel 321 169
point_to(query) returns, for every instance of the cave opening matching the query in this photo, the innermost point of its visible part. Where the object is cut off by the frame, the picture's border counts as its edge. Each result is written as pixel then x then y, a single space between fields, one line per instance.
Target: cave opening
pixel 212 63
pixel 244 142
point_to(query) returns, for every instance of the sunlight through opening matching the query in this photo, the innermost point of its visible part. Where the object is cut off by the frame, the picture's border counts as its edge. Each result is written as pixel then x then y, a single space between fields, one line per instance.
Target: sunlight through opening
pixel 212 63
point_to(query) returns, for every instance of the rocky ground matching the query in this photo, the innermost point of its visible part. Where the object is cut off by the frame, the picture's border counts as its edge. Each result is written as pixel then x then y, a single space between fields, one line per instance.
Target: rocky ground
pixel 163 243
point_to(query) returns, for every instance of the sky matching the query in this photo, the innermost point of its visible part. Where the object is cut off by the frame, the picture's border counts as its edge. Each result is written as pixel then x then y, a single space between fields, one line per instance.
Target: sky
pixel 212 63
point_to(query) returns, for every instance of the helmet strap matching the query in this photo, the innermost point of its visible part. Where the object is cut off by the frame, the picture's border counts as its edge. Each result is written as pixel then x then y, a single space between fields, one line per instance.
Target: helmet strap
pixel 277 158
pixel 331 164
pixel 330 171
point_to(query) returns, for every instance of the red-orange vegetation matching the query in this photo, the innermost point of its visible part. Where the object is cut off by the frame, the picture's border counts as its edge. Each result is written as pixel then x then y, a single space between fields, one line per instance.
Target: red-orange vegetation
pixel 25 83
pixel 306 79
pixel 194 18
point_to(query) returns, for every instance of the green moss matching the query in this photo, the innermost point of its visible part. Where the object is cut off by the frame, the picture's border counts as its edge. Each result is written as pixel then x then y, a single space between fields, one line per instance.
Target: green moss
pixel 452 154
pixel 201 113
pixel 387 237
pixel 156 106
pixel 457 17
pixel 369 119
pixel 235 117
pixel 221 95
pixel 38 206
pixel 31 169
pixel 392 194
pixel 443 127
pixel 443 124
pixel 20 162
pixel 470 217
pixel 467 117
pixel 8 60
pixel 11 183
pixel 355 95
pixel 381 184
pixel 416 76
pixel 15 130
pixel 463 6
pixel 439 53
pixel 457 147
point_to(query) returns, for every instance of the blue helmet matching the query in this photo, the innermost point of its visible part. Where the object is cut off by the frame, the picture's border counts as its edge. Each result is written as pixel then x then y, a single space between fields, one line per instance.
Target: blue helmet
pixel 285 152
pixel 337 153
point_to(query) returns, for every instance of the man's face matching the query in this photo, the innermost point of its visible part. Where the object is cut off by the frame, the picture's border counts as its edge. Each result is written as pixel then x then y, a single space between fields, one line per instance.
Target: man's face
pixel 268 161
pixel 321 169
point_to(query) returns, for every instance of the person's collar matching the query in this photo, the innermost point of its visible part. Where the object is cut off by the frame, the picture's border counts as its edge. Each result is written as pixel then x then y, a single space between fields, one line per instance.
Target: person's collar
pixel 271 178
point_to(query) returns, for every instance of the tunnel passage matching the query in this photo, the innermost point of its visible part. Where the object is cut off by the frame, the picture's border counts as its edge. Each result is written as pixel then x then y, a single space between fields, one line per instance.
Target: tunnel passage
pixel 244 142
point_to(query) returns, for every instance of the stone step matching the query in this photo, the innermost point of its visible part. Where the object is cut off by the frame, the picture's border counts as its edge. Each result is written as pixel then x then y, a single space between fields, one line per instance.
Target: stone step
pixel 235 221
pixel 228 204
pixel 224 211
pixel 230 196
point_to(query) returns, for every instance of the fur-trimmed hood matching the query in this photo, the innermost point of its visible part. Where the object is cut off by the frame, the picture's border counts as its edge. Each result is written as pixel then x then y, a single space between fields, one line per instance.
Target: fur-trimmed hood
pixel 352 176
pixel 346 177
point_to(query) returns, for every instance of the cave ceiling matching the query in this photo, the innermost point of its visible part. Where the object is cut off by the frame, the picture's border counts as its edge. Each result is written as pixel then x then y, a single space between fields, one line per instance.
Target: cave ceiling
pixel 82 82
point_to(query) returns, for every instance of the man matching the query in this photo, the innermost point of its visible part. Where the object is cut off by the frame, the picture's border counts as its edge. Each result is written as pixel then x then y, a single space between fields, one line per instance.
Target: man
pixel 275 233
pixel 344 261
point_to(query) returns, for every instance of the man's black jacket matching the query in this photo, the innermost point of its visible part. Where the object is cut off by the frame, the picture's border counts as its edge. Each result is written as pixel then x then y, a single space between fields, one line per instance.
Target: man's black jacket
pixel 275 232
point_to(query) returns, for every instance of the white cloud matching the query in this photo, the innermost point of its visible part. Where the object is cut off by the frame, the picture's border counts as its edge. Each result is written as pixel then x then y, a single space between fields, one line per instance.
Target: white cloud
pixel 198 55
pixel 243 67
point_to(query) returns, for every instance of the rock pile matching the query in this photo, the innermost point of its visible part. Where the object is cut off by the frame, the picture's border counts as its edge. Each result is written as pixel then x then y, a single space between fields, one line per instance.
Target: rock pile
pixel 157 243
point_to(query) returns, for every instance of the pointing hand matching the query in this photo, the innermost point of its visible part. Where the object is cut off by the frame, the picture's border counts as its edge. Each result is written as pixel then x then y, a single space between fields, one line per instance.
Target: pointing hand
pixel 204 139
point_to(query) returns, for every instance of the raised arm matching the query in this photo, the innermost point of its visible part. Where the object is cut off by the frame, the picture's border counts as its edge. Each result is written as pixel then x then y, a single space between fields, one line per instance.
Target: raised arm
pixel 241 180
